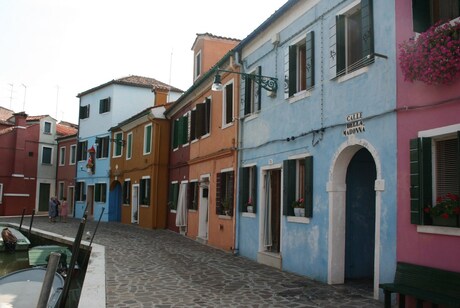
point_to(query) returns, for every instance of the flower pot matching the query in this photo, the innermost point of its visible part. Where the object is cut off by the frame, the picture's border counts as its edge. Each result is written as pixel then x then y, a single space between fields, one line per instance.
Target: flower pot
pixel 299 212
pixel 452 221
pixel 250 209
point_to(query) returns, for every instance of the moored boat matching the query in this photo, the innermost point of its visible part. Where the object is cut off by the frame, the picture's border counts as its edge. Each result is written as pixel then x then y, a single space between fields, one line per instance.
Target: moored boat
pixel 22 242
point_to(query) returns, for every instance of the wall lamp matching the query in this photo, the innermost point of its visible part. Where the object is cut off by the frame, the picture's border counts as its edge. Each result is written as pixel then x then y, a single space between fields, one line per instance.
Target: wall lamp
pixel 268 83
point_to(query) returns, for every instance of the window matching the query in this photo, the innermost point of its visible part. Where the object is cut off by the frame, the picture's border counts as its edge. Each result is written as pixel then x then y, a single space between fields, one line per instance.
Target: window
pixel 82 153
pixel 61 193
pixel 47 153
pixel 434 168
pixel 173 195
pixel 248 188
pixel 203 118
pixel 180 131
pixel 147 139
pixel 84 112
pixel 100 191
pixel 127 192
pixel 252 94
pixel 117 149
pixel 61 156
pixel 73 154
pixel 192 195
pixel 47 128
pixel 129 146
pixel 299 66
pixel 428 12
pixel 145 191
pixel 102 147
pixel 298 184
pixel 197 64
pixel 104 105
pixel 80 192
pixel 224 193
pixel 227 116
pixel 352 40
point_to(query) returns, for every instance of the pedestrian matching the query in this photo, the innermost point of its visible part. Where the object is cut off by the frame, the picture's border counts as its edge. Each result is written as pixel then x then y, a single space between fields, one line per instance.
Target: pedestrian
pixel 58 207
pixel 9 240
pixel 63 210
pixel 52 210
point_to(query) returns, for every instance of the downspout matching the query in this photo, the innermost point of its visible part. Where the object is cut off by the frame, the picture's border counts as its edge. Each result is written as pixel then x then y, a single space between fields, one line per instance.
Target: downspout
pixel 238 157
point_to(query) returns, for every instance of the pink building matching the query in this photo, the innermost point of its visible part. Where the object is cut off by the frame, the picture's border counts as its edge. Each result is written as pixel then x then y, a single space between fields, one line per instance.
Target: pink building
pixel 428 150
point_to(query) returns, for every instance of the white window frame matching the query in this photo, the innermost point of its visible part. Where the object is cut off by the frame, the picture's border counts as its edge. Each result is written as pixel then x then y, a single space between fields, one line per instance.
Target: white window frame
pixel 224 104
pixel 145 139
pixel 198 64
pixel 129 146
pixel 44 127
pixel 62 153
pixel 73 152
pixel 42 155
pixel 115 144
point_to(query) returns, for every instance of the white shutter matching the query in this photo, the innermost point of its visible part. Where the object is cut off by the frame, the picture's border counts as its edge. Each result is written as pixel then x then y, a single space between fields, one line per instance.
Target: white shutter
pixel 332 49
pixel 286 72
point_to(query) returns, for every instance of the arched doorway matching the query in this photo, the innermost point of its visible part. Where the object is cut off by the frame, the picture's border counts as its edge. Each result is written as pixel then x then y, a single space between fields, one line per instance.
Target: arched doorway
pixel 345 162
pixel 360 218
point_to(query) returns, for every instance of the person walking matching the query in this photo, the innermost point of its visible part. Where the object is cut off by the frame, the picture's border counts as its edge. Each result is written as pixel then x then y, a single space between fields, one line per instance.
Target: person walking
pixel 63 210
pixel 58 207
pixel 52 210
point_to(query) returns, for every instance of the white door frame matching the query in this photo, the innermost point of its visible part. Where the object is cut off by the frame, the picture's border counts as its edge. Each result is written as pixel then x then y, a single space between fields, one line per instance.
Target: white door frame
pixel 336 188
pixel 135 203
pixel 203 207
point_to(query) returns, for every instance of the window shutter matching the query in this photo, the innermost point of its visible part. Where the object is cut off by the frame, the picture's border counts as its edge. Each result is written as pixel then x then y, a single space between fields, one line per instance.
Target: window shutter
pixel 99 149
pixel 184 130
pixel 207 113
pixel 289 186
pixel 231 187
pixel 247 96
pixel 229 104
pixel 219 194
pixel 292 70
pixel 254 188
pixel 244 188
pixel 333 49
pixel 83 188
pixel 176 133
pixel 180 131
pixel 310 50
pixel 192 125
pixel 420 178
pixel 308 193
pixel 175 195
pixel 421 15
pixel 286 72
pixel 340 44
pixel 258 87
pixel 200 120
pixel 367 24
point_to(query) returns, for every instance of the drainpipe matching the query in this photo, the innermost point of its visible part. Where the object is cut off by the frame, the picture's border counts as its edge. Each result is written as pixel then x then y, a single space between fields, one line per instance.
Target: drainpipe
pixel 238 159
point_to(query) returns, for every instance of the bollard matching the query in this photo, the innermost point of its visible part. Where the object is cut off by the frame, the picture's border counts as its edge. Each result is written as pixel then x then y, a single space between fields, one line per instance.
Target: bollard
pixel 48 281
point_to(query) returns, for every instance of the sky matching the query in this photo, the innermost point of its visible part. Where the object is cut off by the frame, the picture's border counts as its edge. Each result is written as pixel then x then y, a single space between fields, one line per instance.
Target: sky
pixel 51 50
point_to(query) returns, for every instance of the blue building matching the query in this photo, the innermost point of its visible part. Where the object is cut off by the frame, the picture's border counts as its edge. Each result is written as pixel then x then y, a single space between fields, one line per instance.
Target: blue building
pixel 325 139
pixel 102 108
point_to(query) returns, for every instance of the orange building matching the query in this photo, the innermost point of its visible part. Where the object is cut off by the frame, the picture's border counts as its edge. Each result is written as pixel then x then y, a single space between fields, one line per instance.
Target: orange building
pixel 139 165
pixel 204 156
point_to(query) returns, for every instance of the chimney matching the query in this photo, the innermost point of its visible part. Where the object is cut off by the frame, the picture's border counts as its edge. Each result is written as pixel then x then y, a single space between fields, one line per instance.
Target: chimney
pixel 20 145
pixel 161 96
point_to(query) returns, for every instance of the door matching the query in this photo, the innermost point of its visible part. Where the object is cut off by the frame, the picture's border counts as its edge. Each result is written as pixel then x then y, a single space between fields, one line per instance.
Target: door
pixel 44 197
pixel 272 211
pixel 203 210
pixel 135 205
pixel 360 217
pixel 90 201
pixel 71 199
pixel 115 202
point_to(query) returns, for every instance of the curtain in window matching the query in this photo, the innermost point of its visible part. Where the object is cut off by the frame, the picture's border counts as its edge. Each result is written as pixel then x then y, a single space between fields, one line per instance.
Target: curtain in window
pixel 181 214
pixel 268 240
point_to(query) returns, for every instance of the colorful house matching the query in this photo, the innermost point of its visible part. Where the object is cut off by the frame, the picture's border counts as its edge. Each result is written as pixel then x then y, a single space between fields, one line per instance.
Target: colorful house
pixel 324 141
pixel 101 108
pixel 428 146
pixel 203 161
pixel 139 165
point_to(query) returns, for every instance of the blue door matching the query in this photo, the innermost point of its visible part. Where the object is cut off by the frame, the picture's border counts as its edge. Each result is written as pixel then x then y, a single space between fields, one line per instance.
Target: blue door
pixel 115 203
pixel 360 217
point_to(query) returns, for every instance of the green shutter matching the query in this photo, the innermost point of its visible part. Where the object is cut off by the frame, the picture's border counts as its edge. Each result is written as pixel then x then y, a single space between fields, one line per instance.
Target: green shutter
pixel 340 37
pixel 421 15
pixel 289 186
pixel 118 144
pixel 175 142
pixel 130 145
pixel 258 104
pixel 180 131
pixel 200 118
pixel 97 193
pixel 292 70
pixel 175 195
pixel 243 195
pixel 148 139
pixel 420 179
pixel 310 54
pixel 367 25
pixel 193 125
pixel 308 193
pixel 247 96
pixel 207 117
pixel 254 188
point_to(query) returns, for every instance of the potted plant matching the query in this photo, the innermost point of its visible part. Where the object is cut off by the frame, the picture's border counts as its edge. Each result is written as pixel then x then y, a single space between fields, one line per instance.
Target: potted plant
pixel 250 206
pixel 433 56
pixel 299 207
pixel 446 211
